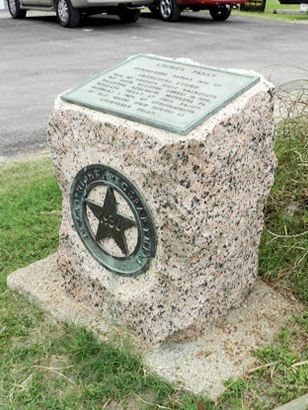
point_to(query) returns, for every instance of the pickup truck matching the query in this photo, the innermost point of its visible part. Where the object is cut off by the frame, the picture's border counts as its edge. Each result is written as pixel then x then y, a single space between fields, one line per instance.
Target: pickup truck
pixel 170 10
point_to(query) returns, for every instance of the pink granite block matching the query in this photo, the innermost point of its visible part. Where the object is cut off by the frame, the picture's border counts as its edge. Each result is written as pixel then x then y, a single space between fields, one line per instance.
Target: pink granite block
pixel 206 191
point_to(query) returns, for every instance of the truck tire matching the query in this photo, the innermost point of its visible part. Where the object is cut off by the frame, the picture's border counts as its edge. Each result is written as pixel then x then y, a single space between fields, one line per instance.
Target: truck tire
pixel 15 11
pixel 128 15
pixel 169 10
pixel 220 13
pixel 67 15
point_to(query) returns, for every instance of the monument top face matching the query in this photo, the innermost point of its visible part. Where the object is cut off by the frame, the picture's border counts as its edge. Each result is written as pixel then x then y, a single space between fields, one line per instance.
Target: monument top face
pixel 166 94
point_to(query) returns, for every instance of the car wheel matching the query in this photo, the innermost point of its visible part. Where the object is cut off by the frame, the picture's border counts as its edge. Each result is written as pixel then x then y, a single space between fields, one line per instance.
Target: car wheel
pixel 67 15
pixel 220 13
pixel 169 10
pixel 128 15
pixel 15 11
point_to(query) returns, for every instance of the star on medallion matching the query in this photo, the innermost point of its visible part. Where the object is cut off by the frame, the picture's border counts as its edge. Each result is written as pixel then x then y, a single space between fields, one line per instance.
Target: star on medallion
pixel 111 223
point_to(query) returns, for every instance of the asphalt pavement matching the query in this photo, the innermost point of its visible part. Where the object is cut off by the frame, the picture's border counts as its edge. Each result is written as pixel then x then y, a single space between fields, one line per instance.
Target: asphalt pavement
pixel 39 59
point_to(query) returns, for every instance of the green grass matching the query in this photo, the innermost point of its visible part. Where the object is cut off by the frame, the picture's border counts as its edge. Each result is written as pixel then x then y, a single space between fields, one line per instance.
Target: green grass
pixel 48 365
pixel 28 230
pixel 281 374
pixel 272 5
pixel 284 245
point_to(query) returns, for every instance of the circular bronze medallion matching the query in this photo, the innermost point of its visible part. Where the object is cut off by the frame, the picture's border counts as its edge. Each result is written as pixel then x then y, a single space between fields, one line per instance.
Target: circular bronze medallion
pixel 113 220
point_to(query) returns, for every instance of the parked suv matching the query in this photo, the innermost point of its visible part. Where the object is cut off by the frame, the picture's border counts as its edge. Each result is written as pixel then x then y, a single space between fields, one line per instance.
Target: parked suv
pixel 69 11
pixel 170 10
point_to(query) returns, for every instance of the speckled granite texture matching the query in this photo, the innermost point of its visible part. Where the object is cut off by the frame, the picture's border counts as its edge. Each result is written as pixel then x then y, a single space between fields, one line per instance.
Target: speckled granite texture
pixel 206 191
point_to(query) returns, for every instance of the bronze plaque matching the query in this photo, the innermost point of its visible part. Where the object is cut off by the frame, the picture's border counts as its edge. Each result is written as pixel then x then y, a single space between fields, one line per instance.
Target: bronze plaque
pixel 113 220
pixel 165 94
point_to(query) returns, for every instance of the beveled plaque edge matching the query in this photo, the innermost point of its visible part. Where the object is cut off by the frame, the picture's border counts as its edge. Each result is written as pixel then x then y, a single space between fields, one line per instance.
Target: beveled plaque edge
pixel 66 96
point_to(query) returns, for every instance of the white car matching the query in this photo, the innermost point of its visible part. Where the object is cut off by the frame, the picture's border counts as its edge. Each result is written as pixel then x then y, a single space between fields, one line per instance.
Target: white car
pixel 69 11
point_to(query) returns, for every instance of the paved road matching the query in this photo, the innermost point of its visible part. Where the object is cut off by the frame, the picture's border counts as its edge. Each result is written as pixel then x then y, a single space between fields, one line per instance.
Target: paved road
pixel 39 59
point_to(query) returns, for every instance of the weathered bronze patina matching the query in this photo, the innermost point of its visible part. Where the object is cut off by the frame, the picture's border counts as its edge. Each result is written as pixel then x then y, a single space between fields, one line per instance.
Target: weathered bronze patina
pixel 166 94
pixel 111 224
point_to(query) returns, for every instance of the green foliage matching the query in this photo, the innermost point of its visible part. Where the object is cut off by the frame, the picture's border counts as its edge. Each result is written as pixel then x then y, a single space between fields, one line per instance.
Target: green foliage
pixel 28 228
pixel 281 374
pixel 109 372
pixel 284 244
pixel 272 5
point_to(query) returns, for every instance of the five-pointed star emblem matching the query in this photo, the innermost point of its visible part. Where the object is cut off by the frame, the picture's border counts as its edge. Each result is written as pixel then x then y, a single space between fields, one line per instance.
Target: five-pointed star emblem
pixel 111 224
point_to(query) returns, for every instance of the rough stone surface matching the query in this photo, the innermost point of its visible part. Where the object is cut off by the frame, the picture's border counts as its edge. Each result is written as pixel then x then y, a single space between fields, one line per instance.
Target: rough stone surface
pixel 223 351
pixel 299 404
pixel 206 191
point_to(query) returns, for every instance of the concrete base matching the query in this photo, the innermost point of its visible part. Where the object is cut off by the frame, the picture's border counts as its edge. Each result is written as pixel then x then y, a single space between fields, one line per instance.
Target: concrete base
pixel 201 365
pixel 299 404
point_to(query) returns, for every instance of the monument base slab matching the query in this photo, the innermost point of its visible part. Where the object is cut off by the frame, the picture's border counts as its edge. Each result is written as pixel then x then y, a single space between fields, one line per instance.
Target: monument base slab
pixel 202 366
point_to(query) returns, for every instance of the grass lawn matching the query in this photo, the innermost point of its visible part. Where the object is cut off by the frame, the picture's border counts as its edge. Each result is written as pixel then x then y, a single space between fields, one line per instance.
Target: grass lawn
pixel 272 5
pixel 47 365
